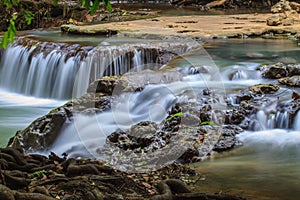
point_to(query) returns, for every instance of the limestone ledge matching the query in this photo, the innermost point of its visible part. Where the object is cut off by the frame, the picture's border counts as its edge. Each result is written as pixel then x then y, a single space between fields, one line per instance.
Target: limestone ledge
pixel 209 26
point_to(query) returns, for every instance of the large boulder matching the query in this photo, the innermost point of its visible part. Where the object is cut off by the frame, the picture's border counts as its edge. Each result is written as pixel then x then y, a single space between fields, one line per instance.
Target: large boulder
pixel 41 133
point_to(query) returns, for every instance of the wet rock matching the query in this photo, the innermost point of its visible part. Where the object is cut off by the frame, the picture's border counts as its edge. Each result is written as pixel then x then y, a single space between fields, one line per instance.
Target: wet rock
pixel 235 116
pixel 143 129
pixel 293 69
pixel 275 71
pixel 131 82
pixel 165 56
pixel 280 70
pixel 105 85
pixel 227 139
pixel 41 133
pixel 264 88
pixel 143 136
pixel 293 81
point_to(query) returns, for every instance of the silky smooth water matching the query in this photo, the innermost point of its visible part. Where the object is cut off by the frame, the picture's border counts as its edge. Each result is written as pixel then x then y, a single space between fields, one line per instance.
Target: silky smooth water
pixel 266 167
pixel 18 111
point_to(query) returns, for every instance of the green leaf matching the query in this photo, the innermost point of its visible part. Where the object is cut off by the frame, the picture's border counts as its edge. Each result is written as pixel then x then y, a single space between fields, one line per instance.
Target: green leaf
pixel 29 16
pixel 4 42
pixel 55 2
pixel 15 2
pixel 85 3
pixel 95 7
pixel 208 123
pixel 107 5
pixel 10 34
pixel 179 114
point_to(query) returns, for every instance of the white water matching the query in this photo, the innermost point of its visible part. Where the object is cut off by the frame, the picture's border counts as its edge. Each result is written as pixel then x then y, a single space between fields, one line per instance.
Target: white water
pixel 18 111
pixel 90 132
pixel 50 70
pixel 270 169
pixel 47 76
pixel 297 122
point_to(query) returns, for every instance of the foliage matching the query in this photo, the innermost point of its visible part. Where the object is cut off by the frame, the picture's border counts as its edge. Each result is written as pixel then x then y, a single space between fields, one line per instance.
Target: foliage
pixel 10 3
pixel 11 32
pixel 28 16
pixel 179 114
pixel 38 174
pixel 95 5
pixel 208 123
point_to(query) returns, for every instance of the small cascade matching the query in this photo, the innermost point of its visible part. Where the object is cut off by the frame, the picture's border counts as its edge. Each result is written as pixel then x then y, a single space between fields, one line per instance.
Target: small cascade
pixel 243 71
pixel 297 121
pixel 239 74
pixel 40 69
pixel 273 116
pixel 62 71
pixel 265 121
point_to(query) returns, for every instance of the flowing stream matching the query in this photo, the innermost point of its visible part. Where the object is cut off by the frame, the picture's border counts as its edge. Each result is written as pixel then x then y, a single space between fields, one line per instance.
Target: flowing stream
pixel 39 79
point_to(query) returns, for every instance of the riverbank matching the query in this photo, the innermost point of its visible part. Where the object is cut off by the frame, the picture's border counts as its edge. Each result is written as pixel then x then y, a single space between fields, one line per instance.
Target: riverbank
pixel 215 26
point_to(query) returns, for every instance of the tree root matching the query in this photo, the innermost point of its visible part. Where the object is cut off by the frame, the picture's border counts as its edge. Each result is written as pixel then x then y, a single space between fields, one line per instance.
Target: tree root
pixel 16 179
pixel 8 194
pixel 96 169
pixel 32 196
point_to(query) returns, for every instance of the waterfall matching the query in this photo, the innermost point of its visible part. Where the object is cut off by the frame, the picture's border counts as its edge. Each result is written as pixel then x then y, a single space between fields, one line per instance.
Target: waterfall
pixel 62 71
pixel 38 71
pixel 266 121
pixel 297 121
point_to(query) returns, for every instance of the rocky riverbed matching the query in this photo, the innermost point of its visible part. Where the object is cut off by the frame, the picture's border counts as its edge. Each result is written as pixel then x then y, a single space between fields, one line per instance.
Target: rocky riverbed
pixel 34 176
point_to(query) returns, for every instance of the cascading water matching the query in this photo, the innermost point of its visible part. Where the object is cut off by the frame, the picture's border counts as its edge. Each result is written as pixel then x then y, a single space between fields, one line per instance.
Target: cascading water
pixel 279 115
pixel 62 71
pixel 297 121
pixel 86 134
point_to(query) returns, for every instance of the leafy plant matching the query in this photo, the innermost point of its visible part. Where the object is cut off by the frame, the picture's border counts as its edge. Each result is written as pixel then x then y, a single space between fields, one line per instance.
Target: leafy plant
pixel 179 114
pixel 29 16
pixel 208 123
pixel 10 3
pixel 38 174
pixel 11 32
pixel 95 5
